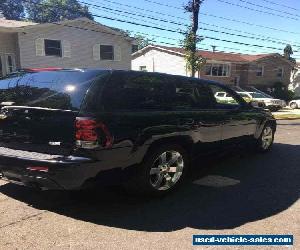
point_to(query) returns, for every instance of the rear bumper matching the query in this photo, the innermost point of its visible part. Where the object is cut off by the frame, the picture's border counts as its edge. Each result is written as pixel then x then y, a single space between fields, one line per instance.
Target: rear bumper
pixel 64 173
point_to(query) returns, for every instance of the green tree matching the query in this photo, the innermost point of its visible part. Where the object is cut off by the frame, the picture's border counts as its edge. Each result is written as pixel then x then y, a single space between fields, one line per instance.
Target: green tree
pixel 288 52
pixel 194 61
pixel 12 9
pixel 44 11
pixel 141 41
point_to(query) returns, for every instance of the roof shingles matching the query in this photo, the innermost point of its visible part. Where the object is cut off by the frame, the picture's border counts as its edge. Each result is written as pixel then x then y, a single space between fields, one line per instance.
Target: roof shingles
pixel 4 23
pixel 221 56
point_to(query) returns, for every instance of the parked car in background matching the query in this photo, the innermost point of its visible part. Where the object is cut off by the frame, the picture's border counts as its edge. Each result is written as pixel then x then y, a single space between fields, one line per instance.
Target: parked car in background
pixel 265 100
pixel 72 129
pixel 295 104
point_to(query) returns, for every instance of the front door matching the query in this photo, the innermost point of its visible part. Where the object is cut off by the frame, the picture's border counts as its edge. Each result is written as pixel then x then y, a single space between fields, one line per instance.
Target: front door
pixel 238 120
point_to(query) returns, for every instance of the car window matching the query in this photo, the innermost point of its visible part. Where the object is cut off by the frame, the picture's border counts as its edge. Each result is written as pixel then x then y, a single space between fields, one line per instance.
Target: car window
pixel 220 94
pixel 230 101
pixel 258 95
pixel 148 91
pixel 243 95
pixel 47 89
pixel 191 94
pixel 136 91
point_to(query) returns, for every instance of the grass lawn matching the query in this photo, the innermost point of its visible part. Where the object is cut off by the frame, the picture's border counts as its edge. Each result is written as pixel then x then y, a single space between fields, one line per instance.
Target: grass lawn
pixel 287 115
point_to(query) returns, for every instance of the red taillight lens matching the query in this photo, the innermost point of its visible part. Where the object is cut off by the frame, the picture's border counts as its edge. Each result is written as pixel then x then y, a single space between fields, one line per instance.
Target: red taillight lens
pixel 89 130
pixel 38 168
pixel 86 129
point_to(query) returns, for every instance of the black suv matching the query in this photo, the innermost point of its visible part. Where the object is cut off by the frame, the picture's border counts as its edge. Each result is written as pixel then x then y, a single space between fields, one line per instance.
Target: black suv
pixel 73 128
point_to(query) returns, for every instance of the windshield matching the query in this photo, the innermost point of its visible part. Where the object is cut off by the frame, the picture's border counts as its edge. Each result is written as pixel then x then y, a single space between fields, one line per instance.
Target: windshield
pixel 64 89
pixel 243 95
pixel 257 95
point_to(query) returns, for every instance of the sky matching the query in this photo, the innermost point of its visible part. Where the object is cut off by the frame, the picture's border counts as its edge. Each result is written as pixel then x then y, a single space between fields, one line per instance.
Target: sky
pixel 268 25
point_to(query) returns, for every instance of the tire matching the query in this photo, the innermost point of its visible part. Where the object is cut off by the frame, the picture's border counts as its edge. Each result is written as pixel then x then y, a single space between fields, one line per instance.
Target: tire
pixel 157 174
pixel 294 105
pixel 265 142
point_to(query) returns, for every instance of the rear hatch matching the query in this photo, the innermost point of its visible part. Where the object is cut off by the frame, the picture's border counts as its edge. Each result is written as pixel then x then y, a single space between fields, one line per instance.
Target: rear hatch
pixel 38 109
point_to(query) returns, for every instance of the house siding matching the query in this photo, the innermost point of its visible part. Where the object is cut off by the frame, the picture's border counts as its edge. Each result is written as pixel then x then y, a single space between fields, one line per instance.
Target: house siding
pixel 158 61
pixel 8 43
pixel 82 42
pixel 270 72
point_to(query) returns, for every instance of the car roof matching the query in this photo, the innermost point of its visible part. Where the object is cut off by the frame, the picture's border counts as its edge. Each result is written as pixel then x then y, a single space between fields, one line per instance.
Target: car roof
pixel 46 69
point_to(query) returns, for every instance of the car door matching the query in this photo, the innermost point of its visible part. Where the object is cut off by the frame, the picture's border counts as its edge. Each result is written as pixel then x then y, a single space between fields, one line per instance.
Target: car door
pixel 239 121
pixel 193 102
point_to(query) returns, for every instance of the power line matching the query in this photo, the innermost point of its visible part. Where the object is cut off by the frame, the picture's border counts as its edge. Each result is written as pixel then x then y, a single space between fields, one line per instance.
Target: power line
pixel 174 39
pixel 180 32
pixel 180 24
pixel 257 10
pixel 268 8
pixel 228 19
pixel 282 5
pixel 213 25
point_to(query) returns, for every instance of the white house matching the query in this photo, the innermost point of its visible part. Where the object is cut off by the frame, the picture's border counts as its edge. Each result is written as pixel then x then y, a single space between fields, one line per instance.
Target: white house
pixel 75 43
pixel 261 70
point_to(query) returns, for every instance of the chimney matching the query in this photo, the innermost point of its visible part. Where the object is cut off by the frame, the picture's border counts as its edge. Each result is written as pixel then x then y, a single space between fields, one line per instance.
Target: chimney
pixel 214 48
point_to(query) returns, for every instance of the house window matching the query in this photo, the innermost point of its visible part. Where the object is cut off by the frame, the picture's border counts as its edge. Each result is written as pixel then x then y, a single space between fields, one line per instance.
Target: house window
pixel 217 70
pixel 53 48
pixel 260 71
pixel 143 68
pixel 280 72
pixel 106 52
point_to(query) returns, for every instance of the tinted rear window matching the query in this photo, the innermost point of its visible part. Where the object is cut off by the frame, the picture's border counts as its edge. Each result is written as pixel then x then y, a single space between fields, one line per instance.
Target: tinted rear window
pixel 52 89
pixel 149 91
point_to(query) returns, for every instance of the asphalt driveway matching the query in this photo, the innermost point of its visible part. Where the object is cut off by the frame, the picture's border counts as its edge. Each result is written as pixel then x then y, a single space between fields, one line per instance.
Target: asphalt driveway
pixel 237 194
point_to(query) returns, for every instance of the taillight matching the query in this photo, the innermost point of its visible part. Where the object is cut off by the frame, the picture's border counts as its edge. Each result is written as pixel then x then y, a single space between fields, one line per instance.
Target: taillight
pixel 91 133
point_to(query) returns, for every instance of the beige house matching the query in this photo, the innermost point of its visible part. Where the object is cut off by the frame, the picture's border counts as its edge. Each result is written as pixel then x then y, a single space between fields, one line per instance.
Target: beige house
pixel 75 43
pixel 232 69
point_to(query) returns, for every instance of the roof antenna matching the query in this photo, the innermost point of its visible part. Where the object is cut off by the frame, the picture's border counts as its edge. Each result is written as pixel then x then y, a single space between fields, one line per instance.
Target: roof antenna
pixel 214 48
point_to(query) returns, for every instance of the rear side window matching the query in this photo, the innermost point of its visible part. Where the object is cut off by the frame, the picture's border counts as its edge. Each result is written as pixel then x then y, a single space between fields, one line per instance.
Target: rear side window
pixel 148 91
pixel 135 91
pixel 49 89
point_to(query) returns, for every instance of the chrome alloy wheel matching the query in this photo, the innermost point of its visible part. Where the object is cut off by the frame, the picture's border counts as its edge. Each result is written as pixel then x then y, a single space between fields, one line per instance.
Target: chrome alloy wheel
pixel 266 138
pixel 166 170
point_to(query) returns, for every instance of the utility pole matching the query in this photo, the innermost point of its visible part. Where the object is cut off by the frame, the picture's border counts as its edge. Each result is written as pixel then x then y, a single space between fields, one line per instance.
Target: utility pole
pixel 194 61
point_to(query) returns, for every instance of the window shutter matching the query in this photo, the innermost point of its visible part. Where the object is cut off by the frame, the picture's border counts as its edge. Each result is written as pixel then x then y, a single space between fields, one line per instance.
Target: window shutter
pixel 117 53
pixel 39 47
pixel 96 52
pixel 66 49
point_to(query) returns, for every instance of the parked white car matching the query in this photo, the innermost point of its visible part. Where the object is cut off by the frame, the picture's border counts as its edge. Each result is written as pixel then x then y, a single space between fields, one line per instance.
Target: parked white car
pixel 294 104
pixel 223 96
pixel 265 100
